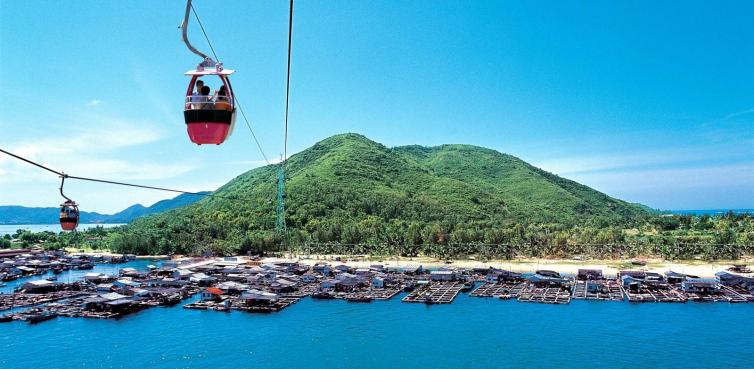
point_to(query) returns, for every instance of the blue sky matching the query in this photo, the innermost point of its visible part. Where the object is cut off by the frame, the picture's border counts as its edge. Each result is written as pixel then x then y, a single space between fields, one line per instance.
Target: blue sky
pixel 650 102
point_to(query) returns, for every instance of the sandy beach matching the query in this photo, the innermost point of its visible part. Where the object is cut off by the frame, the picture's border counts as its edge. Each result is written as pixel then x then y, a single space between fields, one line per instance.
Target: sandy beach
pixel 564 266
pixel 699 268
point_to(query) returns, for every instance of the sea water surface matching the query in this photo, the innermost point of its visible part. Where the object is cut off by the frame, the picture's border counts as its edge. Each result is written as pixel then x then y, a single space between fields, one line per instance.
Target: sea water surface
pixel 69 276
pixel 469 333
pixel 12 228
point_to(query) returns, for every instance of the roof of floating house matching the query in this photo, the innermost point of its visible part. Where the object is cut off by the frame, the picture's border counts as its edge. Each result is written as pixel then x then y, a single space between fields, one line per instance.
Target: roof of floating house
pixel 232 286
pixel 442 272
pixel 633 273
pixel 284 282
pixel 543 278
pixel 201 277
pixel 548 273
pixel 215 291
pixel 258 295
pixel 590 272
pixel 126 301
pixel 95 300
pixel 112 296
pixel 703 280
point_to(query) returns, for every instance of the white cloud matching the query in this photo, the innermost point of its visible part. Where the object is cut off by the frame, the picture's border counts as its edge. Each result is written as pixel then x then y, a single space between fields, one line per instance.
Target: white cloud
pixel 739 113
pixel 735 175
pixel 94 102
pixel 144 80
pixel 647 159
pixel 720 186
pixel 89 152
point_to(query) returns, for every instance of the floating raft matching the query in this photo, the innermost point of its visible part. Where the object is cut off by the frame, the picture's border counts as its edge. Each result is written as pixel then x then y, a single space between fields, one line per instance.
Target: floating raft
pixel 545 295
pixel 610 290
pixel 303 291
pixel 20 299
pixel 435 293
pixel 506 290
pixel 280 304
pixel 234 304
pixel 726 294
pixel 656 295
pixel 737 294
pixel 384 293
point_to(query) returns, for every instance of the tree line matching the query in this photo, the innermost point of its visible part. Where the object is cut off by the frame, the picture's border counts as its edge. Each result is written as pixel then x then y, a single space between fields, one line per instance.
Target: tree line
pixel 727 236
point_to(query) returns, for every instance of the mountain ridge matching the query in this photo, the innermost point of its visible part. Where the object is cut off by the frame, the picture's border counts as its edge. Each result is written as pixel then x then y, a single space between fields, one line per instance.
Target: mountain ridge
pixel 350 189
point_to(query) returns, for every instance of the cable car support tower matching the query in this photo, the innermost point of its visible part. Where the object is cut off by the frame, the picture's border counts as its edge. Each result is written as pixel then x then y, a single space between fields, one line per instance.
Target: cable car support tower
pixel 280 211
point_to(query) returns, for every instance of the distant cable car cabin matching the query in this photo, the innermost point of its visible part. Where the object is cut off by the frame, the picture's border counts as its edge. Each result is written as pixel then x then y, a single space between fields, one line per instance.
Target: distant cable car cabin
pixel 69 215
pixel 210 118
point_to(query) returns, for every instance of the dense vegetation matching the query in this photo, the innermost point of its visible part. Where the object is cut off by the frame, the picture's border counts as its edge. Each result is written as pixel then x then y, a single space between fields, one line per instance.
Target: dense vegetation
pixel 348 194
pixel 728 236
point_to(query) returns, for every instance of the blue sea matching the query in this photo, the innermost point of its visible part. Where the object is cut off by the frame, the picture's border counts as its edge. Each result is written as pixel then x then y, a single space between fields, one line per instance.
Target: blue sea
pixel 470 333
pixel 710 212
pixel 11 228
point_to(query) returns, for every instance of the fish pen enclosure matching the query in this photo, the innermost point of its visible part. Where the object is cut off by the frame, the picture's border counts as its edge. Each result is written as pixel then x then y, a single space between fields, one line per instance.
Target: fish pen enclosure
pixel 545 294
pixel 504 290
pixel 435 293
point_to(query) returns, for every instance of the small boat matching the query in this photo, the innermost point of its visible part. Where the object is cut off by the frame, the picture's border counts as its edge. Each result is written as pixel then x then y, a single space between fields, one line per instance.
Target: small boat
pixel 360 298
pixel 171 300
pixel 740 268
pixel 51 279
pixel 428 300
pixel 6 318
pixel 548 273
pixel 40 317
pixel 468 286
pixel 410 286
pixel 323 295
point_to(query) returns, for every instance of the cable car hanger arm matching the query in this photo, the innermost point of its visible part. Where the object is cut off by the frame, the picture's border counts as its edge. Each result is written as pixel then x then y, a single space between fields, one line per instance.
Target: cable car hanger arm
pixel 207 61
pixel 63 176
pixel 184 32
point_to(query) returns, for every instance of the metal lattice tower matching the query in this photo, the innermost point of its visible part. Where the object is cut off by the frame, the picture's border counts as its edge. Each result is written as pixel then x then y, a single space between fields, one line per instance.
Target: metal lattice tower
pixel 280 212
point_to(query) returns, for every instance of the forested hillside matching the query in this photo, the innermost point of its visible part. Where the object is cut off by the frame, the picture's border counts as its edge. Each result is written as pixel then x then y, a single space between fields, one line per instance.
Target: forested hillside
pixel 351 190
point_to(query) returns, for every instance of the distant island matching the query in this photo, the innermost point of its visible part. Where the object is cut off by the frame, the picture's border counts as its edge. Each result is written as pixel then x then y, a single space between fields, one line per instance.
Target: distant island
pixel 12 215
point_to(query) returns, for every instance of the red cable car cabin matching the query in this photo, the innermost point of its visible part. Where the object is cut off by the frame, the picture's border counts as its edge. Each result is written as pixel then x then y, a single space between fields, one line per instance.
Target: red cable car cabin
pixel 69 215
pixel 210 119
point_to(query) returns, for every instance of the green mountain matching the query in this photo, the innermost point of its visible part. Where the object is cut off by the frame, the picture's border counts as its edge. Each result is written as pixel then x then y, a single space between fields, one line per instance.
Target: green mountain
pixel 352 190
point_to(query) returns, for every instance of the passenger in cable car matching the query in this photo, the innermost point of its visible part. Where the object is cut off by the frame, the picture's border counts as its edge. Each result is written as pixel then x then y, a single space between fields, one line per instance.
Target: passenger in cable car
pixel 221 100
pixel 67 212
pixel 201 99
pixel 196 97
pixel 205 99
pixel 199 84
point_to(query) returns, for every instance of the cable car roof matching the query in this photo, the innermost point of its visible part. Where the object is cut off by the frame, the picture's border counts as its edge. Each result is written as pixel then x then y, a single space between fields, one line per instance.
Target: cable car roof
pixel 209 71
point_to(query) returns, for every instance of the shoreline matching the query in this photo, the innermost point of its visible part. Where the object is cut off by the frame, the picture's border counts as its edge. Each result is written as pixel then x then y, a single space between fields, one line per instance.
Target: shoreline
pixel 564 266
pixel 698 268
